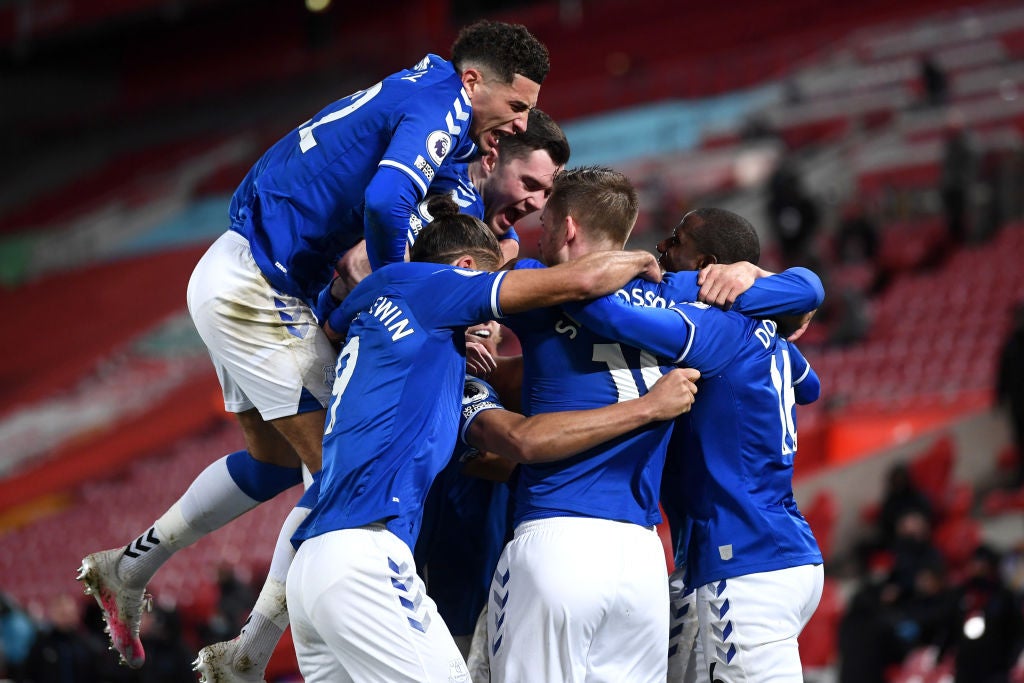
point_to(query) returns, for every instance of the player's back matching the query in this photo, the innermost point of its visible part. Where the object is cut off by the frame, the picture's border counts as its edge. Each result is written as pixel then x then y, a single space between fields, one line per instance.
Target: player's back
pixel 736 448
pixel 385 440
pixel 301 205
pixel 567 367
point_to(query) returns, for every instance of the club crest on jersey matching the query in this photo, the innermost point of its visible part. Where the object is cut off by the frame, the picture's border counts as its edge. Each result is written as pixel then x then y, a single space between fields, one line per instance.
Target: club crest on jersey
pixel 439 143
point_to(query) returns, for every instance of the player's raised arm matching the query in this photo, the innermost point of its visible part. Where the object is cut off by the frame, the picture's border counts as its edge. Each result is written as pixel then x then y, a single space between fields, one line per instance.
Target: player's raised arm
pixel 547 437
pixel 591 276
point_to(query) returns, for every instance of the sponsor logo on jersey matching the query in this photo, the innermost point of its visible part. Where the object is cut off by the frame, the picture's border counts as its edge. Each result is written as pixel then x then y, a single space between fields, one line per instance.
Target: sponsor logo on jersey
pixel 439 143
pixel 415 225
pixel 425 168
pixel 472 409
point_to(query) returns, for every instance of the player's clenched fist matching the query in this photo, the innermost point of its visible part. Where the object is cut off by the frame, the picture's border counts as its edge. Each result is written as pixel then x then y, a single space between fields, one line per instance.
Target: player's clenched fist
pixel 674 393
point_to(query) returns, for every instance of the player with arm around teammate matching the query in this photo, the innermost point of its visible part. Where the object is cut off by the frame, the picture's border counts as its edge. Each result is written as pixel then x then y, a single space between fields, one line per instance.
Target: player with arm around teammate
pixel 507 183
pixel 357 608
pixel 354 170
pixel 749 547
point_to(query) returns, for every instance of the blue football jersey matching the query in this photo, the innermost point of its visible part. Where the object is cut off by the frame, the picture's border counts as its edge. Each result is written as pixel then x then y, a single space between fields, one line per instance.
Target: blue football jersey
pixel 454 180
pixel 355 169
pixel 736 445
pixel 466 523
pixel 568 367
pixel 394 415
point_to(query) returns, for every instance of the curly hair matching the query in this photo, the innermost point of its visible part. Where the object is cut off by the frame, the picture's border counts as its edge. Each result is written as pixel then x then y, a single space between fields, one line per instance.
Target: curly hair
pixel 541 133
pixel 505 49
pixel 726 235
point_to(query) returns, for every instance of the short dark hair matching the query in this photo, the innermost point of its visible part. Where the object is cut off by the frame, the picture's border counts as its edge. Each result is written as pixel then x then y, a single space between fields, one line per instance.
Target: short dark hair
pixel 506 49
pixel 541 133
pixel 452 234
pixel 601 200
pixel 725 235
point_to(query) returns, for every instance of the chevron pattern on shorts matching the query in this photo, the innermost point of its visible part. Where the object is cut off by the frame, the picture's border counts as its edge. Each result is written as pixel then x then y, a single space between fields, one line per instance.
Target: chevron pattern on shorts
pixel 721 628
pixel 288 318
pixel 409 594
pixel 499 598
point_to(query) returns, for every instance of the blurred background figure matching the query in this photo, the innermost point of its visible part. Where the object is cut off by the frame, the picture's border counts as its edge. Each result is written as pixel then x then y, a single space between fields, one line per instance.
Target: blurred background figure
pixel 792 214
pixel 959 169
pixel 986 635
pixel 1010 386
pixel 17 634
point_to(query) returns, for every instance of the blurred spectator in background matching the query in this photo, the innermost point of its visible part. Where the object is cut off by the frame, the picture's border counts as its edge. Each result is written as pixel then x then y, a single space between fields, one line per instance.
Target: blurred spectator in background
pixel 792 215
pixel 857 238
pixel 1010 385
pixel 901 496
pixel 933 82
pixel 62 651
pixel 234 602
pixel 168 657
pixel 17 632
pixel 959 166
pixel 988 629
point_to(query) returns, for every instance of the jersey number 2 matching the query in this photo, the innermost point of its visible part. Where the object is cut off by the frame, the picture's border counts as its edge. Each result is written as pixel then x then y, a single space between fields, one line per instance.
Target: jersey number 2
pixel 306 139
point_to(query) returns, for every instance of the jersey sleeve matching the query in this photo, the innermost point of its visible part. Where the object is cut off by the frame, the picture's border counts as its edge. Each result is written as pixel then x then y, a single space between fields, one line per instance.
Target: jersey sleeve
pixel 477 397
pixel 662 331
pixel 794 291
pixel 460 297
pixel 430 128
pixel 806 384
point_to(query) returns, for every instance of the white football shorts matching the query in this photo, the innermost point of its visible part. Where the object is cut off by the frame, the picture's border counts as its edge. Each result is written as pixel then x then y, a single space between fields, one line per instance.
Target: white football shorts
pixel 685 657
pixel 749 624
pixel 359 612
pixel 579 599
pixel 266 347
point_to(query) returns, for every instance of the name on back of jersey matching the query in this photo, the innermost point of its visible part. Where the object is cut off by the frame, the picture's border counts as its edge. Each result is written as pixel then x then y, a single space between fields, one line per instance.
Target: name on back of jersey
pixel 638 296
pixel 395 320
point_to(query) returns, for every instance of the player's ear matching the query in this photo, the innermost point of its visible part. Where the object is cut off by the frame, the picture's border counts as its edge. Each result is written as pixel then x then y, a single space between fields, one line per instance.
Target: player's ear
pixel 489 160
pixel 571 226
pixel 471 78
pixel 465 261
pixel 705 260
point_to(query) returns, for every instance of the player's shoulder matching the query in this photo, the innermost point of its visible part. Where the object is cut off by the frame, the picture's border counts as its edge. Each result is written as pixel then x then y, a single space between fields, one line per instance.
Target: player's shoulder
pixel 524 264
pixel 431 79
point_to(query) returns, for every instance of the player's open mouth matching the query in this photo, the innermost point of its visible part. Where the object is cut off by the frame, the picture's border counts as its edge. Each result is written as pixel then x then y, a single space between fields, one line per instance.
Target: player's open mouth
pixel 483 334
pixel 511 215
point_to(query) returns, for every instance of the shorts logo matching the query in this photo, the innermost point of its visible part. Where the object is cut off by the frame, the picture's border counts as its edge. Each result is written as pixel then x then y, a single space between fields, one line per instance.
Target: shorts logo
pixel 425 168
pixel 439 143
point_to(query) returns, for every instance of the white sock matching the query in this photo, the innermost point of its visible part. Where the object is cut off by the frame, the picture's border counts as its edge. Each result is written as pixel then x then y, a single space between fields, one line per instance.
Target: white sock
pixel 269 617
pixel 213 500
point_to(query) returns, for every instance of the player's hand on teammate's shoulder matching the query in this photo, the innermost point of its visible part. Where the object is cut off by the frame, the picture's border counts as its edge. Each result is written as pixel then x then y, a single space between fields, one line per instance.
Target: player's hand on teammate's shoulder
pixel 720 284
pixel 674 393
pixel 479 361
pixel 352 267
